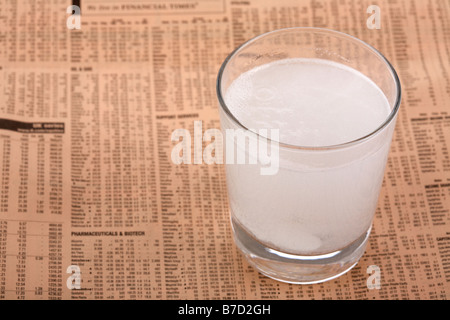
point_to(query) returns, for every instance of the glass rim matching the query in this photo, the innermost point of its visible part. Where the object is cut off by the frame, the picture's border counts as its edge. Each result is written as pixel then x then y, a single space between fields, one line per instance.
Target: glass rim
pixel 387 121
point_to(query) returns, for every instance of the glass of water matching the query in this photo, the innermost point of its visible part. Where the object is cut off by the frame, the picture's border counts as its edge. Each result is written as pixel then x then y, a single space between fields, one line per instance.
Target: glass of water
pixel 308 116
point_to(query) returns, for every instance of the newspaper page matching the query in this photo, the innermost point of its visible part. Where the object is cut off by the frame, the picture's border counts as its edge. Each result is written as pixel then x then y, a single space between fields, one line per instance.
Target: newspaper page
pixel 91 205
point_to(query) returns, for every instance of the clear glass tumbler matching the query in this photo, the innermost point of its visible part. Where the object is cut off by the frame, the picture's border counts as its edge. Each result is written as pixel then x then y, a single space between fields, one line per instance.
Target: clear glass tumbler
pixel 309 220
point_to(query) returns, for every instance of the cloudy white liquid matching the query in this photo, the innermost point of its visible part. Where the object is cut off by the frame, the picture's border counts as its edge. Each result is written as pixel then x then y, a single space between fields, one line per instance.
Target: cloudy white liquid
pixel 308 207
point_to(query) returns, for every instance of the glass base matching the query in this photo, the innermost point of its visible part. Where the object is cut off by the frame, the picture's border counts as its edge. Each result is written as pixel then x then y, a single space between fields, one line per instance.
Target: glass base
pixel 296 269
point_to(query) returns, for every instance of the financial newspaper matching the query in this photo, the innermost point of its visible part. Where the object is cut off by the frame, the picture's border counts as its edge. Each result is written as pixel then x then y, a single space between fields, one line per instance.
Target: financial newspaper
pixel 91 205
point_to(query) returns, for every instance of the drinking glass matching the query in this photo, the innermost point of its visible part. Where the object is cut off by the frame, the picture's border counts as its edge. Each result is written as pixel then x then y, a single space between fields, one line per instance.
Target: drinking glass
pixel 322 198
